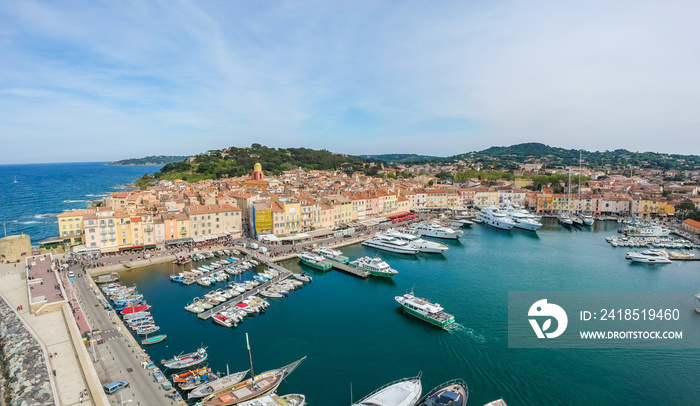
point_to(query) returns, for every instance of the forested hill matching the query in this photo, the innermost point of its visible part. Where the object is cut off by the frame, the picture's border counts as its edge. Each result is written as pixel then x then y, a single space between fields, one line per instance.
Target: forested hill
pixel 235 161
pixel 150 160
pixel 402 158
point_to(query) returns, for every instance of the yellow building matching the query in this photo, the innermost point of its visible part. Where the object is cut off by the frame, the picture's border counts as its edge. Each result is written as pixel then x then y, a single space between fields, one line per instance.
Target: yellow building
pixel 70 226
pixel 261 217
pixel 123 221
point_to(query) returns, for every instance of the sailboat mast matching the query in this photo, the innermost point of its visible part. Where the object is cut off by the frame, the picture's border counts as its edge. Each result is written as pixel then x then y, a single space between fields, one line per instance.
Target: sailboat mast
pixel 250 357
pixel 579 180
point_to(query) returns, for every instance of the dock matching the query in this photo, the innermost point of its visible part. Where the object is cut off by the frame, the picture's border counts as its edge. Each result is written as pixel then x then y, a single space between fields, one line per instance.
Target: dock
pixel 354 271
pixel 284 273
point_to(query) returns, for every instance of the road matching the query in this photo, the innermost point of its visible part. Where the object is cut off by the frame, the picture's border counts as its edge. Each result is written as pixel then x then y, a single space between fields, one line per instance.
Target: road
pixel 120 357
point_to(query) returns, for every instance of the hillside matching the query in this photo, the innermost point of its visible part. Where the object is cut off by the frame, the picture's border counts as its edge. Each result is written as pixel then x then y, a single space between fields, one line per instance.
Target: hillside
pixel 233 161
pixel 150 160
pixel 402 158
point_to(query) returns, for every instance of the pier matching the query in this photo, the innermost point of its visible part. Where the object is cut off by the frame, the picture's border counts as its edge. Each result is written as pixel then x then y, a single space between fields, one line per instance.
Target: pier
pixel 354 271
pixel 284 273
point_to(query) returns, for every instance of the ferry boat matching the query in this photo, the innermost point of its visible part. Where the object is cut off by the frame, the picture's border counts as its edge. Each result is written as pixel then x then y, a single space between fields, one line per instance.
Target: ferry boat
pixel 404 392
pixel 386 243
pixel 522 218
pixel 425 310
pixel 416 242
pixel 437 231
pixel 332 254
pixel 451 393
pixel 493 217
pixel 375 266
pixel 314 261
pixel 186 360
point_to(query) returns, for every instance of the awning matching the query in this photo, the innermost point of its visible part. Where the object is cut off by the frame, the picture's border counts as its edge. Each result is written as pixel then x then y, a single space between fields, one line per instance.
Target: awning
pixel 179 241
pixel 269 237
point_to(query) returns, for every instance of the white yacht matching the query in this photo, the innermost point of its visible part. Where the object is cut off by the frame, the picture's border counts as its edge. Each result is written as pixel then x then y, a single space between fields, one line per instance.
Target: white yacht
pixel 564 219
pixel 416 242
pixel 404 392
pixel 649 259
pixel 493 217
pixel 437 231
pixel 587 220
pixel 522 218
pixel 390 244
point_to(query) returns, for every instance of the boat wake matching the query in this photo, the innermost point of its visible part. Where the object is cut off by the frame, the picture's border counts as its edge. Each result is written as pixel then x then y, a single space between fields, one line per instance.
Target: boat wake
pixel 45 215
pixel 471 335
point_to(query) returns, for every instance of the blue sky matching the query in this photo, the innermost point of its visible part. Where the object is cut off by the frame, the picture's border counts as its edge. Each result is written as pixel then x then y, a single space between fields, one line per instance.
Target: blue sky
pixel 106 80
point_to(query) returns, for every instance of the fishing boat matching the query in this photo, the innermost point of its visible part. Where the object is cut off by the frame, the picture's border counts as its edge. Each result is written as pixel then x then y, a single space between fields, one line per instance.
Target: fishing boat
pixel 315 261
pixel 257 386
pixel 220 384
pixel 153 340
pixel 142 331
pixel 451 393
pixel 198 380
pixel 333 255
pixel 404 392
pixel 425 310
pixel 134 309
pixel 375 266
pixel 186 376
pixel 186 360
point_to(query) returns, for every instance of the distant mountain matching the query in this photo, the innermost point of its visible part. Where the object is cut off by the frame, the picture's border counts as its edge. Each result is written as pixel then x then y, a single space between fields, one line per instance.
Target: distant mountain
pixel 401 158
pixel 151 160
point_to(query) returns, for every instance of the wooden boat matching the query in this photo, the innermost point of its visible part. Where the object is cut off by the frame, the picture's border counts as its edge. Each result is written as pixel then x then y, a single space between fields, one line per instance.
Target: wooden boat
pixel 274 400
pixel 147 330
pixel 451 393
pixel 255 387
pixel 186 360
pixel 153 340
pixel 186 376
pixel 135 309
pixel 198 380
pixel 220 384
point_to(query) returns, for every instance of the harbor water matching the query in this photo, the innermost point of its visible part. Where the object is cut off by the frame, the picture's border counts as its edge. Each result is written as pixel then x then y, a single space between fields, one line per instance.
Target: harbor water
pixel 357 339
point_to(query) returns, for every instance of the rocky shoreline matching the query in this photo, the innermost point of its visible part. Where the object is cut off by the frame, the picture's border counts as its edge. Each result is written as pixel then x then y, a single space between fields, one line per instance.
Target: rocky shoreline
pixel 25 379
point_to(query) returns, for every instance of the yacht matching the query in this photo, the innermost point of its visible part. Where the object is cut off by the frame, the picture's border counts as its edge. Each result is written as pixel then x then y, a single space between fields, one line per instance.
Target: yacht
pixel 493 217
pixel 451 393
pixel 333 255
pixel 437 231
pixel 375 266
pixel 386 243
pixel 587 220
pixel 522 218
pixel 564 219
pixel 416 242
pixel 650 230
pixel 651 256
pixel 404 392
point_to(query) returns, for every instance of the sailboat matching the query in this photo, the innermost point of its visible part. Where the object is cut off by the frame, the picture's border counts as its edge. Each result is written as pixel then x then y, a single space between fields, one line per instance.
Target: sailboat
pixel 15 179
pixel 255 387
pixel 564 217
pixel 586 218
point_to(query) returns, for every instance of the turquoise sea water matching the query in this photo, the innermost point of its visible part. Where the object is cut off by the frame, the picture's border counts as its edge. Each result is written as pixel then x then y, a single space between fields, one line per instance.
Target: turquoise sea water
pixel 354 333
pixel 42 191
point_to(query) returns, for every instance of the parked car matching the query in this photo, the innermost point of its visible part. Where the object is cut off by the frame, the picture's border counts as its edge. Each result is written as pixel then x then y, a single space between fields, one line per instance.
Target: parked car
pixel 115 386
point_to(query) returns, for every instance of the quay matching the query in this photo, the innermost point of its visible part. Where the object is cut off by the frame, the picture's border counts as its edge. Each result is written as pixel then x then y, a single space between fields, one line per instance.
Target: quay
pixel 354 271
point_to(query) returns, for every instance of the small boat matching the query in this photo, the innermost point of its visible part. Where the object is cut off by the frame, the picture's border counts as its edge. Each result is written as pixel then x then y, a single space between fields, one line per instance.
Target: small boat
pixel 186 376
pixel 177 278
pixel 275 400
pixel 404 392
pixel 126 264
pixel 153 340
pixel 198 380
pixel 222 383
pixel 260 278
pixel 147 330
pixel 451 393
pixel 302 277
pixel 222 320
pixel 134 309
pixel 186 360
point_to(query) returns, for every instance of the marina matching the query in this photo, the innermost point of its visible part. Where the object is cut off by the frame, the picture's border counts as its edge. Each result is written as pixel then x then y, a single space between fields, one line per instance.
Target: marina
pixel 474 337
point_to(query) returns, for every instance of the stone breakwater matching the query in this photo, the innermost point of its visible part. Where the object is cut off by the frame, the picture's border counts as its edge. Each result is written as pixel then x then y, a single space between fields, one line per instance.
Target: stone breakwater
pixel 24 374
